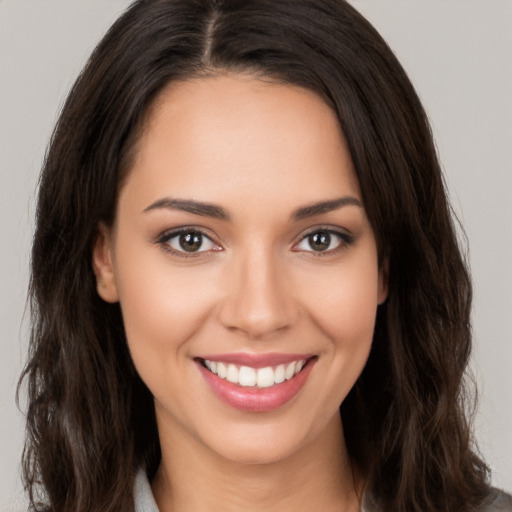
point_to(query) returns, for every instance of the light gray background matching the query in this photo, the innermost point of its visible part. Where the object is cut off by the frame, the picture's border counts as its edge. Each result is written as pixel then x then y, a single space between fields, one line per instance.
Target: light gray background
pixel 458 54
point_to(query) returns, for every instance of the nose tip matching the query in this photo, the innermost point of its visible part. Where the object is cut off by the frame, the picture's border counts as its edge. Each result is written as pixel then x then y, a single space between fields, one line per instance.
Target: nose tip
pixel 258 303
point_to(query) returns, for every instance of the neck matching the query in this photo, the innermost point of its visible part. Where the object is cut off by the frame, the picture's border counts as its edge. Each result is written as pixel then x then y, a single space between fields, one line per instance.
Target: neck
pixel 317 477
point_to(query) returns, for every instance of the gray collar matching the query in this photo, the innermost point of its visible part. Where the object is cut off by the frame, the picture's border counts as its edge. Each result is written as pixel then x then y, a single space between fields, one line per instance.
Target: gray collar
pixel 145 502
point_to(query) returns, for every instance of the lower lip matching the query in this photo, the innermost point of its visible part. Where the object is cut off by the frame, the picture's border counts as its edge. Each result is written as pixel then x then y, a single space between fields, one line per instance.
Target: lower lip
pixel 255 399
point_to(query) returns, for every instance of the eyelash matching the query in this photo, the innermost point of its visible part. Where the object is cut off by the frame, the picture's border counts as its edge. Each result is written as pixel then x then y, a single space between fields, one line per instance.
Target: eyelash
pixel 345 240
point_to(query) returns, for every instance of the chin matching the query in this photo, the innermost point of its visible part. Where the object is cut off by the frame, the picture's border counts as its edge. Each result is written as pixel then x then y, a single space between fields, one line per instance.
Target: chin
pixel 262 444
pixel 256 454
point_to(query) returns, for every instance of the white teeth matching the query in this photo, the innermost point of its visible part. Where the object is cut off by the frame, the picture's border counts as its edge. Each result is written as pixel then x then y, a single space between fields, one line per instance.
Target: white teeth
pixel 250 377
pixel 265 377
pixel 247 376
pixel 290 371
pixel 222 370
pixel 279 374
pixel 232 375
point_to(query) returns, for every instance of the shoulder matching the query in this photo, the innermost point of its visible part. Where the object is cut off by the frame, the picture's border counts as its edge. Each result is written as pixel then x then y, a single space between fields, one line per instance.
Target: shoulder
pixel 497 501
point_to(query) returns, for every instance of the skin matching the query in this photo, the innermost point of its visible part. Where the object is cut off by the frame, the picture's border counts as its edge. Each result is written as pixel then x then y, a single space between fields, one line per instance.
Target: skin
pixel 260 150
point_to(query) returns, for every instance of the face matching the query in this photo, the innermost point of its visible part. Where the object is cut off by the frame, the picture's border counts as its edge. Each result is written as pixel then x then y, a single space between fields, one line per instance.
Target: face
pixel 245 266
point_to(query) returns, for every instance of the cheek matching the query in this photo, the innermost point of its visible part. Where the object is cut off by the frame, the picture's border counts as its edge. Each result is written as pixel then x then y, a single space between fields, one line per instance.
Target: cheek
pixel 351 332
pixel 163 309
pixel 344 305
pixel 162 305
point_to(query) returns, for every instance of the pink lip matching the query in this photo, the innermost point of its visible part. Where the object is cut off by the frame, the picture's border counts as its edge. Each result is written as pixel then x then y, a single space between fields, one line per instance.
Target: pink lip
pixel 257 360
pixel 254 399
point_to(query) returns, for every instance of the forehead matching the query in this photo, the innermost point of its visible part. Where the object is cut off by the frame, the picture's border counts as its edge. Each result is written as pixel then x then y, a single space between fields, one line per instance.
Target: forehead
pixel 231 136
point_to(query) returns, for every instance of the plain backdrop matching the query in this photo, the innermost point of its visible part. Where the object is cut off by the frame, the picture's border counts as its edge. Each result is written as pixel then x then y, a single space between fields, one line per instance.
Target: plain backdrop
pixel 458 54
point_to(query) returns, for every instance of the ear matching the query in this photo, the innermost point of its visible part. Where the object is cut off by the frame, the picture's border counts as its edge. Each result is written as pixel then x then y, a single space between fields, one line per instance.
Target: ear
pixel 383 281
pixel 102 265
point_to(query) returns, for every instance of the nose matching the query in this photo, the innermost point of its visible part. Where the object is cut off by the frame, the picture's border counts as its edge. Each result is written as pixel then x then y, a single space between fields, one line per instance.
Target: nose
pixel 259 301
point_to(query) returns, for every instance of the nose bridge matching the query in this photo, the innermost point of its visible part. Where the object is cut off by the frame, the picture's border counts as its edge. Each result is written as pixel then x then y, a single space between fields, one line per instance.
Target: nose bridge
pixel 258 302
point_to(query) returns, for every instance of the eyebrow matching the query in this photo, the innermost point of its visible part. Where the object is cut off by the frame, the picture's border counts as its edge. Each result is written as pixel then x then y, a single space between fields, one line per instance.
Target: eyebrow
pixel 217 212
pixel 190 206
pixel 324 207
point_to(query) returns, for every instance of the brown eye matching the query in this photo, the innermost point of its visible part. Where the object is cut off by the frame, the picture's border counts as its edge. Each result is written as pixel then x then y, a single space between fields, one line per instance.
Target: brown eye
pixel 324 241
pixel 319 241
pixel 190 242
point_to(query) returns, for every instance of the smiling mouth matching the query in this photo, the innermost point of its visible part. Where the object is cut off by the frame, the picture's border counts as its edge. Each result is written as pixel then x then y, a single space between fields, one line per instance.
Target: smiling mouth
pixel 249 377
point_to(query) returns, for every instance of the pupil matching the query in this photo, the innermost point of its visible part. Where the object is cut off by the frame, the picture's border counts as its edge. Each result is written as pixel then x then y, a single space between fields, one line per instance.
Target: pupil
pixel 320 241
pixel 191 242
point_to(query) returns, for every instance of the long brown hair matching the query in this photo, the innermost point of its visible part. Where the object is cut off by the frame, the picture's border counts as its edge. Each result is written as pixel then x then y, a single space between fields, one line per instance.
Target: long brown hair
pixel 90 419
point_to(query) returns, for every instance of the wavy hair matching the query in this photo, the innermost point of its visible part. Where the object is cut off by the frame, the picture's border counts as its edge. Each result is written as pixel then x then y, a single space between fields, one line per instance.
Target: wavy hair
pixel 90 418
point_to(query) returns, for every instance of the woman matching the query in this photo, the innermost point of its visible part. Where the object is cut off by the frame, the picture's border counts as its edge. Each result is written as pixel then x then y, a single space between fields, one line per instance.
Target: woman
pixel 242 225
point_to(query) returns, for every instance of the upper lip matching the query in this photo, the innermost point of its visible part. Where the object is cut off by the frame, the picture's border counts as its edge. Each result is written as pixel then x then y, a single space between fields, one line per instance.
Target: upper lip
pixel 256 360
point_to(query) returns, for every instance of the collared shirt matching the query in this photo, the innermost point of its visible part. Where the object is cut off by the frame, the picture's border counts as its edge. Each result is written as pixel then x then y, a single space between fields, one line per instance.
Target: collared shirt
pixel 497 501
pixel 144 500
